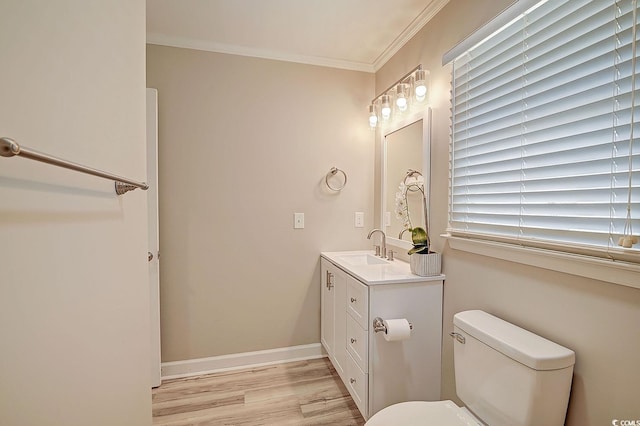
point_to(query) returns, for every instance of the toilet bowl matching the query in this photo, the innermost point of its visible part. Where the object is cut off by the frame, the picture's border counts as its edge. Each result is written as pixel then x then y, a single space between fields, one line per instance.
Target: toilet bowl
pixel 505 376
pixel 423 413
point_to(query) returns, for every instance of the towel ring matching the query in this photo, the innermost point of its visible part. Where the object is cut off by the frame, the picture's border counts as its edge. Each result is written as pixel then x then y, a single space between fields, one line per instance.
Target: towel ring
pixel 333 172
pixel 411 173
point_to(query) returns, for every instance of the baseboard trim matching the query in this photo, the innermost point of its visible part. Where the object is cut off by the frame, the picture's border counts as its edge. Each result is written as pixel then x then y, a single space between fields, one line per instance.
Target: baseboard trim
pixel 199 366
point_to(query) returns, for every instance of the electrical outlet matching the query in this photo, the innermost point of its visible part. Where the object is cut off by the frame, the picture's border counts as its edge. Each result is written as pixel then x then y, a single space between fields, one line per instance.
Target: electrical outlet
pixel 387 218
pixel 298 220
pixel 359 220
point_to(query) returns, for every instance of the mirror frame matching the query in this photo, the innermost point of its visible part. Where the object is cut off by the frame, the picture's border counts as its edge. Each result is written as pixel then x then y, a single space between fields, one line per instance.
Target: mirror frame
pixel 425 116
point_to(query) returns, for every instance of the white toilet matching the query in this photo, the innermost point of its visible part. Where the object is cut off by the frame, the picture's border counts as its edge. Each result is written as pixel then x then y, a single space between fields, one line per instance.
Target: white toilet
pixel 505 375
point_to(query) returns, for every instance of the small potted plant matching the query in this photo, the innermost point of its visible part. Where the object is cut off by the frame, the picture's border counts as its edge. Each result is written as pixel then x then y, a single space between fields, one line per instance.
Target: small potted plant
pixel 422 261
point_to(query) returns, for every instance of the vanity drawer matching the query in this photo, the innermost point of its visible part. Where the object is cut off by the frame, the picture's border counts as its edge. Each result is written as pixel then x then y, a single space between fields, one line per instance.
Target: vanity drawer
pixel 357 343
pixel 358 302
pixel 357 384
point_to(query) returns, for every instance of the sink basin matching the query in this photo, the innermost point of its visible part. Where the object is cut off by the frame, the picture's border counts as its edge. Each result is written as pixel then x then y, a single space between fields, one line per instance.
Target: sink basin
pixel 362 259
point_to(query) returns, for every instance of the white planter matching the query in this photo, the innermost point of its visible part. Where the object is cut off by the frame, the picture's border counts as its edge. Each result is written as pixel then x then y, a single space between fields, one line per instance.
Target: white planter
pixel 426 265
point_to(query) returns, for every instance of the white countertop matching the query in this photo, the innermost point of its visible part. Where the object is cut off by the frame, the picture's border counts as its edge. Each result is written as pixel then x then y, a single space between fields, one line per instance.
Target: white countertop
pixel 391 272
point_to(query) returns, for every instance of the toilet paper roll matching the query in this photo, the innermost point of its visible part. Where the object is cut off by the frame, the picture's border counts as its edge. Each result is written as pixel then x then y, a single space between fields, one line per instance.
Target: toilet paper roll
pixel 397 329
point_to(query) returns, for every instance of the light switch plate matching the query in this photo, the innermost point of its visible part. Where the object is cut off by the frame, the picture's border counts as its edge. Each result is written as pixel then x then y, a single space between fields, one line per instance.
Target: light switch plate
pixel 298 220
pixel 387 218
pixel 359 220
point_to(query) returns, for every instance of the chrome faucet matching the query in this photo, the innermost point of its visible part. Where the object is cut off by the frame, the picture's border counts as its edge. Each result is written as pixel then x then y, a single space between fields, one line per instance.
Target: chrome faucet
pixel 383 251
pixel 402 233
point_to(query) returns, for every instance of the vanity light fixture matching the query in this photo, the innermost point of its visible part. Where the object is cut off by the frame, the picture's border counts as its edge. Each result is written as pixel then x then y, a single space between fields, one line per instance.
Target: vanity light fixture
pixel 420 86
pixel 410 90
pixel 386 108
pixel 373 117
pixel 401 97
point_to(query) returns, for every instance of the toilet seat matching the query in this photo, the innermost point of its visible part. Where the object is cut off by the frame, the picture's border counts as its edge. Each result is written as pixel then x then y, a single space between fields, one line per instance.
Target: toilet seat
pixel 423 413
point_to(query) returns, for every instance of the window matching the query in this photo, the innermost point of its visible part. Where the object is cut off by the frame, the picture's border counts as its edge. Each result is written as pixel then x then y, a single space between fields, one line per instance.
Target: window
pixel 544 113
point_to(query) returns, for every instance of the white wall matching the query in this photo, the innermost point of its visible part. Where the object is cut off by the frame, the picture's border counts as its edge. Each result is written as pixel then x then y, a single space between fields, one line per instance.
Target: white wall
pixel 74 316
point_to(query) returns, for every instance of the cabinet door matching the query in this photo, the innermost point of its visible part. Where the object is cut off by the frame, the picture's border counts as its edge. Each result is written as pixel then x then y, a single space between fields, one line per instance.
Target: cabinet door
pixel 327 311
pixel 333 319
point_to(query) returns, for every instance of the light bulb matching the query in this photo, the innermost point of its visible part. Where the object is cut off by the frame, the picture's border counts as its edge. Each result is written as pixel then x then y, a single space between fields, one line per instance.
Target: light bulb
pixel 401 99
pixel 386 108
pixel 373 118
pixel 420 86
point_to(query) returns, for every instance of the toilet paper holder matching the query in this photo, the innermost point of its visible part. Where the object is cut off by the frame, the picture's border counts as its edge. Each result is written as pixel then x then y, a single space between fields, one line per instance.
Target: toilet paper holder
pixel 378 325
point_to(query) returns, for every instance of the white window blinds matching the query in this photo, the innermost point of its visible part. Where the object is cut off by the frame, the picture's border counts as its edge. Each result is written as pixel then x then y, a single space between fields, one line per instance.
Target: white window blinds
pixel 541 130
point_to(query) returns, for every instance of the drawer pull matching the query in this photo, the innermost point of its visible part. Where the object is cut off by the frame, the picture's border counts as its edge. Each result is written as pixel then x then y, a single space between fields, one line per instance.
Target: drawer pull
pixel 353 300
pixel 352 380
pixel 353 340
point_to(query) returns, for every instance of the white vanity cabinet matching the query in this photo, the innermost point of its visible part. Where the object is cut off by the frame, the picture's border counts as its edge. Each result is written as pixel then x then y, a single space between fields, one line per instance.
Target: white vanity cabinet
pixel 377 372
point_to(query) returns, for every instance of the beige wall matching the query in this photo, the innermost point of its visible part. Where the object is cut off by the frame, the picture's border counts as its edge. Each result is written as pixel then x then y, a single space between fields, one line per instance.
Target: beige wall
pixel 74 315
pixel 598 320
pixel 243 144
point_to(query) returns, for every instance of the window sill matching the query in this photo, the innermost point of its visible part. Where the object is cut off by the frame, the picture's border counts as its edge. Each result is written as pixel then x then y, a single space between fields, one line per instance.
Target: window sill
pixel 615 272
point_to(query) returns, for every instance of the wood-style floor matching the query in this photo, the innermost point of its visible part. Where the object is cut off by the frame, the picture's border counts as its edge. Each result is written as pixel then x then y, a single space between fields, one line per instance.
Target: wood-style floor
pixel 297 393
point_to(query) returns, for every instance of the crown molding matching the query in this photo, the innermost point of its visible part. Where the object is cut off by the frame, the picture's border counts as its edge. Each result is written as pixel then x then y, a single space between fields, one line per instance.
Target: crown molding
pixel 188 43
pixel 421 20
pixel 412 29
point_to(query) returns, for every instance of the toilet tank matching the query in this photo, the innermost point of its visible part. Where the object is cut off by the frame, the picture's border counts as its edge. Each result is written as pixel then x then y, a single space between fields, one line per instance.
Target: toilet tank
pixel 509 376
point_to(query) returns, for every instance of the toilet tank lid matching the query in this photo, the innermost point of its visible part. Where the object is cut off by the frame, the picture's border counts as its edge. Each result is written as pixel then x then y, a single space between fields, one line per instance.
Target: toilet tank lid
pixel 517 343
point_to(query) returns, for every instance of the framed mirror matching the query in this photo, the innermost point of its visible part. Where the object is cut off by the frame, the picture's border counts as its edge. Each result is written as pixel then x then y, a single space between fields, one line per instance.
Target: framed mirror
pixel 405 146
